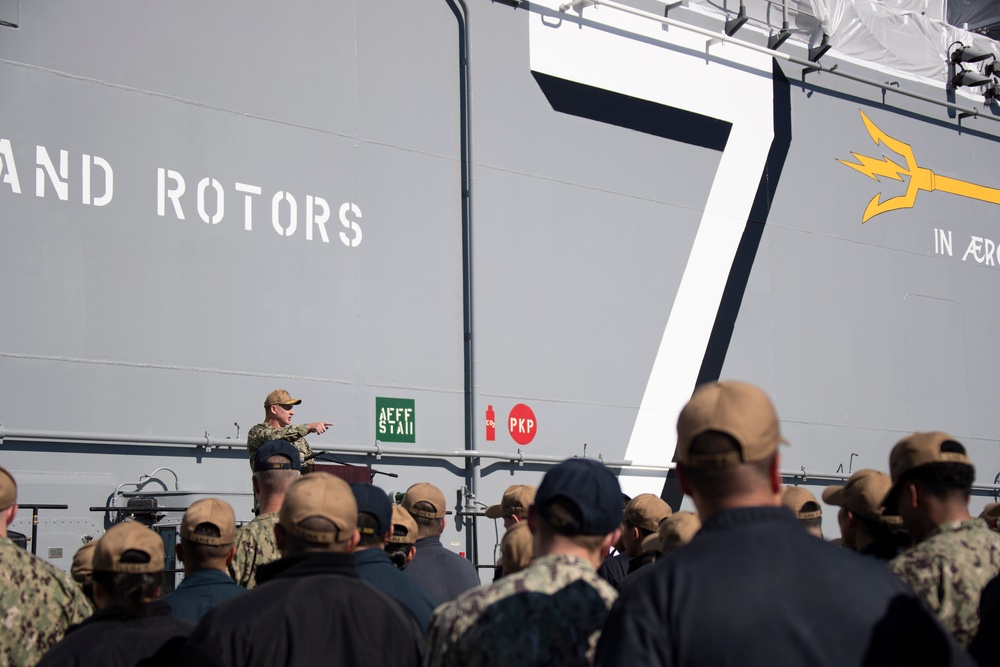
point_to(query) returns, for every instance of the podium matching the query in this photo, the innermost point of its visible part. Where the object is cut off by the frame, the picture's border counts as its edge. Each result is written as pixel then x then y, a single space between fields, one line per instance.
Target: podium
pixel 350 474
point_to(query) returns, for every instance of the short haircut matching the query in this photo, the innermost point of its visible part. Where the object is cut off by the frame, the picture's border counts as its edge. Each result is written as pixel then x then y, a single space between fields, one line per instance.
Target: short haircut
pixel 425 525
pixel 812 524
pixel 296 545
pixel 946 478
pixel 725 481
pixel 130 590
pixel 276 482
pixel 893 536
pixel 199 556
pixel 368 540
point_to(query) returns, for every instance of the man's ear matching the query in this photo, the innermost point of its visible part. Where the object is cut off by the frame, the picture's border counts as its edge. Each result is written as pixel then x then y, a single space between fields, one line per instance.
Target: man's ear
pixel 352 542
pixel 912 495
pixel 232 554
pixel 179 551
pixel 775 472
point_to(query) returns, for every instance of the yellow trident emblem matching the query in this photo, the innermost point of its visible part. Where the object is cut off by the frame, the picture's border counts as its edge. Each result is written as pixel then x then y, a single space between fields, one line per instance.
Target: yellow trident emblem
pixel 921 178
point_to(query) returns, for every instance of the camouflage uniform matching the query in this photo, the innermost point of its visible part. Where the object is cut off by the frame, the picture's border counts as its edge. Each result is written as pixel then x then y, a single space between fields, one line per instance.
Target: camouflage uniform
pixel 548 614
pixel 949 570
pixel 38 602
pixel 296 435
pixel 255 546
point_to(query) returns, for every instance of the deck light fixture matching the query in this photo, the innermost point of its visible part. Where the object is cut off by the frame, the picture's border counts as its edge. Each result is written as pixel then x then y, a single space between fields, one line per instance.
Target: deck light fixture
pixel 780 37
pixel 966 77
pixel 735 23
pixel 968 54
pixel 818 51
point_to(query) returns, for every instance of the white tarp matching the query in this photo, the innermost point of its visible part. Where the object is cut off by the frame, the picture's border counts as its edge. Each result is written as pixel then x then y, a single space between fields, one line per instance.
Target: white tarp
pixel 903 35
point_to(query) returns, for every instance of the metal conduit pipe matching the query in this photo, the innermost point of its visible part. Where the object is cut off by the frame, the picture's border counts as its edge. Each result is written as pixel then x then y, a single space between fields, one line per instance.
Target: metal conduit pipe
pixel 723 38
pixel 377 450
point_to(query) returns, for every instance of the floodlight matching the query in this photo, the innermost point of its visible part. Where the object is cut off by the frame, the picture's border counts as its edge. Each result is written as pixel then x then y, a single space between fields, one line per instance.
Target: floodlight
pixel 968 54
pixel 967 77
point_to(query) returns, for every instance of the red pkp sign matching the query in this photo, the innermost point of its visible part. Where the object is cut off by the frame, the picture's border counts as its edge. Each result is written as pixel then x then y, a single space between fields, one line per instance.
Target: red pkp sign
pixel 522 424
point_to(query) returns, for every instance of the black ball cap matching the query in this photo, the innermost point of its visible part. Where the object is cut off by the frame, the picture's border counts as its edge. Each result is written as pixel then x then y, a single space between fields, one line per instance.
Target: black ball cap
pixel 591 487
pixel 274 448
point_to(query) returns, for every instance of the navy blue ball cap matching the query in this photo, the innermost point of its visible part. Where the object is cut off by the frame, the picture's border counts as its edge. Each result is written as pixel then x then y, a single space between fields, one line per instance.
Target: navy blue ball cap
pixel 589 486
pixel 277 448
pixel 373 500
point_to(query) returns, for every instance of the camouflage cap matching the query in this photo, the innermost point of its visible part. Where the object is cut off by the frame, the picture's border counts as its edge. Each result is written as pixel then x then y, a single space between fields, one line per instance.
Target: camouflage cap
pixel 82 569
pixel 796 498
pixel 678 530
pixel 863 495
pixel 920 449
pixel 280 397
pixel 515 502
pixel 404 528
pixel 8 489
pixel 214 512
pixel 321 495
pixel 516 548
pixel 646 511
pixel 128 536
pixel 374 501
pixel 277 448
pixel 738 409
pixel 427 493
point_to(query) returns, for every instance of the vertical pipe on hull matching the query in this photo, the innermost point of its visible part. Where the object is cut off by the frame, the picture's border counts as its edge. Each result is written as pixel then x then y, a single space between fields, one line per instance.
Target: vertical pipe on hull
pixel 461 11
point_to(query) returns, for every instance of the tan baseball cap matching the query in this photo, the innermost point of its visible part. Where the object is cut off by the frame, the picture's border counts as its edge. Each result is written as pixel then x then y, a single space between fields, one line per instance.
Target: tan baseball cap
pixel 738 409
pixel 82 569
pixel 863 494
pixel 428 493
pixel 8 489
pixel 795 498
pixel 212 511
pixel 646 511
pixel 515 502
pixel 404 528
pixel 677 530
pixel 323 495
pixel 991 511
pixel 280 397
pixel 918 449
pixel 128 536
pixel 516 549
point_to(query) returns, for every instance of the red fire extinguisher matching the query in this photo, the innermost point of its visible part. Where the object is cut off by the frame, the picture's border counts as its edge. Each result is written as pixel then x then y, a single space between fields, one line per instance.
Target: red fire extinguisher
pixel 491 423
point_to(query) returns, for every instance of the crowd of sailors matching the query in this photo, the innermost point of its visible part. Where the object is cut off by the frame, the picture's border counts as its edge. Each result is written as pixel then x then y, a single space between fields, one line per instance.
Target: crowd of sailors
pixel 338 573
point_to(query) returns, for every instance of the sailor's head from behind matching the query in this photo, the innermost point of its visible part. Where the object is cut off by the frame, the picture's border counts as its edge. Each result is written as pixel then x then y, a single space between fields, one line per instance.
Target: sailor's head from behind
pixel 8 500
pixel 806 508
pixel 577 509
pixel 319 513
pixel 401 544
pixel 727 448
pixel 374 516
pixel 276 466
pixel 514 504
pixel 208 536
pixel 643 515
pixel 932 480
pixel 128 566
pixel 427 506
